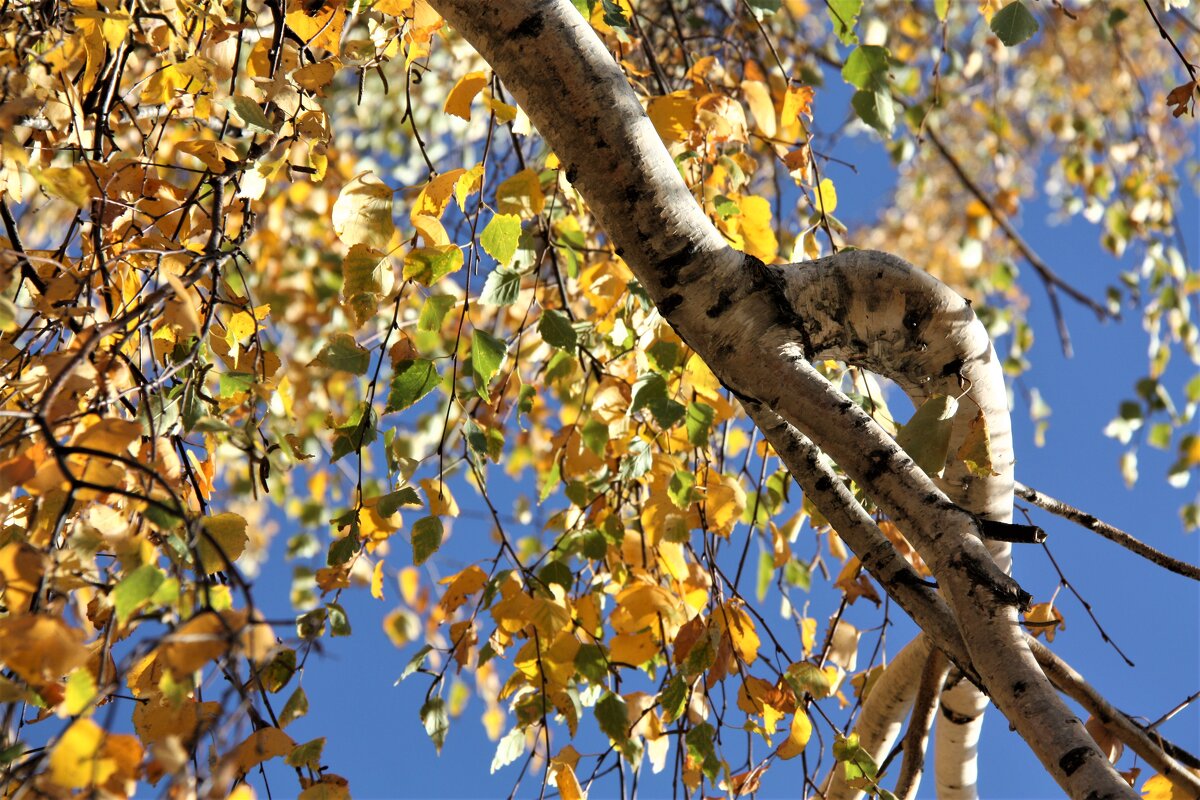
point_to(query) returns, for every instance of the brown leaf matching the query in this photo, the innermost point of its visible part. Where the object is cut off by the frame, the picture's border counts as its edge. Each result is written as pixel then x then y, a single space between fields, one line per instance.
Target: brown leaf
pixel 1183 98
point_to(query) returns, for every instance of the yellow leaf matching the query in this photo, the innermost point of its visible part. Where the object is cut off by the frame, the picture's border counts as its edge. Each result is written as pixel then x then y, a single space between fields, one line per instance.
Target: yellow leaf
pixel 409 581
pixel 826 196
pixel 80 690
pixel 798 736
pixel 76 762
pixel 377 581
pixel 458 102
pixel 240 326
pixel 315 77
pixel 223 542
pixel 434 196
pixel 673 115
pixel 157 720
pixel 521 195
pixel 1045 620
pixel 796 101
pixel 737 625
pixel 758 98
pixel 976 449
pixel 241 792
pixel 467 184
pixel 322 28
pixel 754 224
pixel 633 648
pixel 568 784
pixel 431 230
pixel 201 639
pixel 212 154
pixel 260 746
pixel 21 569
pixel 808 634
pixel 40 648
pixel 462 585
pixel 70 183
pixel 441 502
pixel 330 787
pixel 362 213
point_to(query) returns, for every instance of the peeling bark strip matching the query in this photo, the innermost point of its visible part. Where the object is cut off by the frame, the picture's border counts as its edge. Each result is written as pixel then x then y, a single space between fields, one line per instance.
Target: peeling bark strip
pixel 560 73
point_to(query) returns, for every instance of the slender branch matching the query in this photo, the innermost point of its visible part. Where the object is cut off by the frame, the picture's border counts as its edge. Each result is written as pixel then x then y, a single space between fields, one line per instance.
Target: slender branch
pixel 1048 276
pixel 1110 532
pixel 1151 747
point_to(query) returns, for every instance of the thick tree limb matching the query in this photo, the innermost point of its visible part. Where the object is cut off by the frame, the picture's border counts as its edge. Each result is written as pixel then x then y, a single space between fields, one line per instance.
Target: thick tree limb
pixel 721 302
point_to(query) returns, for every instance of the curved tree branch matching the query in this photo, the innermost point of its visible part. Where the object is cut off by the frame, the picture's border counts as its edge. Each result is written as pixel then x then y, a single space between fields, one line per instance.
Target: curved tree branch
pixel 719 300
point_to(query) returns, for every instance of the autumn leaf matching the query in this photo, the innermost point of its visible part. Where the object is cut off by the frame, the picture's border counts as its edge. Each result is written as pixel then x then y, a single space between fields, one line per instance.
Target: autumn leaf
pixel 1183 98
pixel 362 213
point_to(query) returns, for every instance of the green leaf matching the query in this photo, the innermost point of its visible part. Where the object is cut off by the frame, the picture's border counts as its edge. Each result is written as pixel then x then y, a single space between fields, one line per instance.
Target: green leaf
pixel 343 353
pixel 295 707
pixel 926 436
pixel 411 381
pixel 251 113
pixel 636 462
pixel 339 623
pixel 426 538
pixel 699 423
pixel 614 15
pixel 136 588
pixel 857 761
pixel 679 489
pixel 556 329
pixel 278 672
pixel 875 109
pixel 673 699
pixel 595 436
pixel 499 238
pixel 941 8
pixel 416 662
pixel 613 716
pixel 487 354
pixel 867 67
pixel 509 748
pixel 553 478
pixel 763 8
pixel 591 663
pixel 436 721
pixel 390 503
pixel 844 15
pixel 664 355
pixel 501 287
pixel 433 313
pixel 1014 24
pixel 358 432
pixel 700 747
pixel 806 678
pixel 798 574
pixel 766 570
pixel 341 551
pixel 235 383
pixel 307 754
pixel 428 265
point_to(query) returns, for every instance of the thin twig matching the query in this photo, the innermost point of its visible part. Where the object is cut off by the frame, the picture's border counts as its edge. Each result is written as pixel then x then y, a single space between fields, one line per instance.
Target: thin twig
pixel 1110 532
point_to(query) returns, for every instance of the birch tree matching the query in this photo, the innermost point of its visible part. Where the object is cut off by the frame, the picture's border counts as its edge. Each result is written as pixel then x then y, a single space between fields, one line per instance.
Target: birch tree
pixel 335 268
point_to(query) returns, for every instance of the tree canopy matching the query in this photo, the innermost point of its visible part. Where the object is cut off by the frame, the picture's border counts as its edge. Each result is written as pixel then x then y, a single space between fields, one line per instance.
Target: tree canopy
pixel 307 271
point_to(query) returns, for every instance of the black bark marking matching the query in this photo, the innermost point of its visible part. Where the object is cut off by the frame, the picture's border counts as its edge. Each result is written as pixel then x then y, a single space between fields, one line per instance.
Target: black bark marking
pixel 670 267
pixel 769 280
pixel 724 301
pixel 952 368
pixel 912 320
pixel 572 173
pixel 879 465
pixel 670 303
pixel 1019 688
pixel 955 718
pixel 530 27
pixel 1075 759
pixel 823 484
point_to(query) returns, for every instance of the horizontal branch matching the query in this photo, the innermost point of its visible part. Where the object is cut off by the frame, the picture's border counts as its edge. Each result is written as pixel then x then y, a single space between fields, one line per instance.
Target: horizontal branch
pixel 1110 532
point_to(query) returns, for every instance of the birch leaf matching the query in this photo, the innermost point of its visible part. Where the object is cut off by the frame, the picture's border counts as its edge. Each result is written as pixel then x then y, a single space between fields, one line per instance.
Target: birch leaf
pixel 362 214
pixel 976 449
pixel 926 437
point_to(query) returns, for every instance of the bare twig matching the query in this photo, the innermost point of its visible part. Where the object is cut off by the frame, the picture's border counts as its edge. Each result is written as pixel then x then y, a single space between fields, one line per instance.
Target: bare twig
pixel 1110 532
